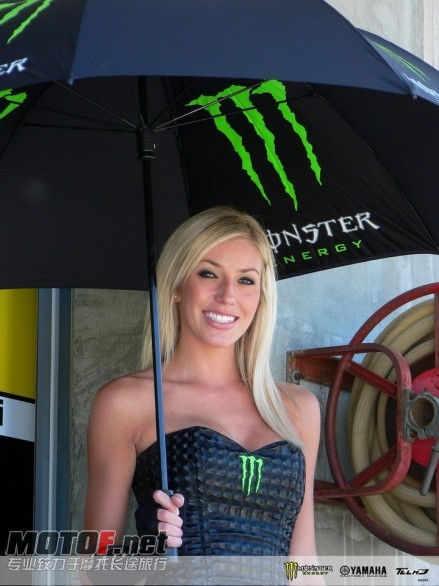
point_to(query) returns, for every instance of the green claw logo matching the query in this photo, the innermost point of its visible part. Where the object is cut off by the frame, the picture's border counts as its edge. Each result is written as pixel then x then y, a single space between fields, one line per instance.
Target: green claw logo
pixel 291 569
pixel 12 10
pixel 251 469
pixel 242 99
pixel 13 101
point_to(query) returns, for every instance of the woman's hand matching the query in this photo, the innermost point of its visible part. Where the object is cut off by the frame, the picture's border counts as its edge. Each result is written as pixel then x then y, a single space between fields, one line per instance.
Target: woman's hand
pixel 160 512
pixel 170 517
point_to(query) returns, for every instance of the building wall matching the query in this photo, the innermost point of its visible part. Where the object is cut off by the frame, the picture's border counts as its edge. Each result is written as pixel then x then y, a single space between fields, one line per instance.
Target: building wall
pixel 321 309
pixel 411 24
pixel 327 308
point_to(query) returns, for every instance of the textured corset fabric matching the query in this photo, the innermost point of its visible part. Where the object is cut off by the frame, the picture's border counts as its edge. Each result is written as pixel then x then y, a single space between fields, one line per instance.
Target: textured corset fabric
pixel 239 503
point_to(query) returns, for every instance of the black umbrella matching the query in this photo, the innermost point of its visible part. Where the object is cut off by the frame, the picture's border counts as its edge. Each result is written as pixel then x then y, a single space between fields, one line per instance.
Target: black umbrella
pixel 324 132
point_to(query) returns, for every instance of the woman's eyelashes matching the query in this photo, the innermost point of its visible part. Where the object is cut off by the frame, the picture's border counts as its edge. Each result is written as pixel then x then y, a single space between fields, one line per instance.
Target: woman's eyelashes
pixel 205 274
pixel 246 281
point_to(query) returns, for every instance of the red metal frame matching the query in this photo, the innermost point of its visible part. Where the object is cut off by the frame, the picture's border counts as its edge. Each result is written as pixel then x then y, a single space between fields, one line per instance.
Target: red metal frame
pixel 397 460
pixel 334 366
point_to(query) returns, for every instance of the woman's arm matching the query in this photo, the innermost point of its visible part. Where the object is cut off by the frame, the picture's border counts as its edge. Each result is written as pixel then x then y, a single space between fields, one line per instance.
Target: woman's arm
pixel 307 421
pixel 111 458
pixel 119 416
pixel 303 541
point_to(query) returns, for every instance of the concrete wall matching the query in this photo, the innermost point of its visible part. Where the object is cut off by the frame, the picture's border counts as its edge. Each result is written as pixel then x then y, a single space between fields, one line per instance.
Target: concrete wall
pixel 107 330
pixel 320 309
pixel 326 309
pixel 411 24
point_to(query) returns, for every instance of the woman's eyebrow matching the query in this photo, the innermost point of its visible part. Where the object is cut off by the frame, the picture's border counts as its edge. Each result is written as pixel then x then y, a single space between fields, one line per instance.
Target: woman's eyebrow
pixel 217 264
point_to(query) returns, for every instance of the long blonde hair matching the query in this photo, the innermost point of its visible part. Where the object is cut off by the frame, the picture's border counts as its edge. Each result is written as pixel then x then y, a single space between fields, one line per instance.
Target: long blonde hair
pixel 180 255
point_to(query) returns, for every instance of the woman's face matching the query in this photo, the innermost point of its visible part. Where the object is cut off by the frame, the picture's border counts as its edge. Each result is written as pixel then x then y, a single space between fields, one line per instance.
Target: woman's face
pixel 218 300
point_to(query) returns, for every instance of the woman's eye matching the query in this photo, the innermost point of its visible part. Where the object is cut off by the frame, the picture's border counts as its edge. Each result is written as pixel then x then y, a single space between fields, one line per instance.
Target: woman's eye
pixel 206 274
pixel 246 281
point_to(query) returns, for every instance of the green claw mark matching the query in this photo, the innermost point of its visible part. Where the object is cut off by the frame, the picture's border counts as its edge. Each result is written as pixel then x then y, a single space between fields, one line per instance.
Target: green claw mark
pixel 242 98
pixel 214 108
pixel 13 10
pixel 250 463
pixel 14 101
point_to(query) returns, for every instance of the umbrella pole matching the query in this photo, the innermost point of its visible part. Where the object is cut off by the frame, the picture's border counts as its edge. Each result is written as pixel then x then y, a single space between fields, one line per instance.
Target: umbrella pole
pixel 147 154
pixel 147 147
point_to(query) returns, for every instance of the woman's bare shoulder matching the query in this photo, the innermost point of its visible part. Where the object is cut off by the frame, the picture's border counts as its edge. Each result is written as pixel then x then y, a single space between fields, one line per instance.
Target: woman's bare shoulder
pixel 301 402
pixel 125 392
pixel 304 410
pixel 124 405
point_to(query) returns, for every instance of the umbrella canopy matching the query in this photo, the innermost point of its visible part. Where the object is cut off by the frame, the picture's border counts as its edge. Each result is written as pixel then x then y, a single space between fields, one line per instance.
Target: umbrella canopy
pixel 323 131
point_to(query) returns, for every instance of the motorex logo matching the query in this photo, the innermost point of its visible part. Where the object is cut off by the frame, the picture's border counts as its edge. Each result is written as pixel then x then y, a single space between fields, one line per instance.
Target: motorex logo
pixel 241 97
pixel 21 13
pixel 251 473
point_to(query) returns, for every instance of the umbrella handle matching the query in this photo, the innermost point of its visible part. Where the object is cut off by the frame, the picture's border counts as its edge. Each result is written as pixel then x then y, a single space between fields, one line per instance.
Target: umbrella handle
pixel 171 552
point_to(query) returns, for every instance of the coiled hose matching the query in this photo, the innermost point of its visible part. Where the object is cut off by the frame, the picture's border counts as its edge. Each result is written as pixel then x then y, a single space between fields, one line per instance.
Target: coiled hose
pixel 403 511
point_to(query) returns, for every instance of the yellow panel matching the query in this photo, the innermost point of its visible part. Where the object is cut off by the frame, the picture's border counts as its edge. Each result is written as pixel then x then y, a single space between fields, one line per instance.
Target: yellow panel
pixel 18 341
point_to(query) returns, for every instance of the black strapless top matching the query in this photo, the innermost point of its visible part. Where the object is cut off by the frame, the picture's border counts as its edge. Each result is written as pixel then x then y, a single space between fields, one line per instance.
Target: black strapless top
pixel 239 502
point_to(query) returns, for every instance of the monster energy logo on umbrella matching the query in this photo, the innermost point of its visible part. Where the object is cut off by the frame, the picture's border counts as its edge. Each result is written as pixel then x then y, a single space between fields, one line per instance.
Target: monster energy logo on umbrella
pixel 12 101
pixel 242 99
pixel 13 9
pixel 251 470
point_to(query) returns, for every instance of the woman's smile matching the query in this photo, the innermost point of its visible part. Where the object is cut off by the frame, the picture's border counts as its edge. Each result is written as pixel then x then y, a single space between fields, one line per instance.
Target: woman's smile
pixel 220 318
pixel 219 298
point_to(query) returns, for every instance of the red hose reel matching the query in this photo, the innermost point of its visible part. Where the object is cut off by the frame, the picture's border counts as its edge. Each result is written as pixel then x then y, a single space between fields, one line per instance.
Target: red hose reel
pixel 393 486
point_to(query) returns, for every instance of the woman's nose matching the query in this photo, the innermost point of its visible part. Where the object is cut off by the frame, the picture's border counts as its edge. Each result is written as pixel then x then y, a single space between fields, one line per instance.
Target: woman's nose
pixel 226 291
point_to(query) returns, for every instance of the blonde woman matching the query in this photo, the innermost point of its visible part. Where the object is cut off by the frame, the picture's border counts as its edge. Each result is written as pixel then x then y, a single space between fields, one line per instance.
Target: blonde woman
pixel 240 446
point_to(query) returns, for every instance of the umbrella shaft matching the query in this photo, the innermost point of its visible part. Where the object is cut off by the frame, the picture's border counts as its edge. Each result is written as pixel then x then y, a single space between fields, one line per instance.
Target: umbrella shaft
pixel 155 326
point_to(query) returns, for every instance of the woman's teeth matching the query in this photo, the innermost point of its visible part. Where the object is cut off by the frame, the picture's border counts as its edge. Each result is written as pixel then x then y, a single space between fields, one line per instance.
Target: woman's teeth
pixel 221 319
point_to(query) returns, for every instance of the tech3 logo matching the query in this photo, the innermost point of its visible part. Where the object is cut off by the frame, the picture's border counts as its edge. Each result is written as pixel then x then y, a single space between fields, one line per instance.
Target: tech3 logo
pixel 251 473
pixel 25 10
pixel 417 571
pixel 242 99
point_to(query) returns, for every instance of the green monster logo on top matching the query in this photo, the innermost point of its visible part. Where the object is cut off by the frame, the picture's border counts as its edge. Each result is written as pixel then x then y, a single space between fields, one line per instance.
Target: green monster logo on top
pixel 251 473
pixel 242 99
pixel 13 10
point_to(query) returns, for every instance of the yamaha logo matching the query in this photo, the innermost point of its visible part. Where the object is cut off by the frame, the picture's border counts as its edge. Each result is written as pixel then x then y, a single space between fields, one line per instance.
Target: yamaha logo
pixel 363 571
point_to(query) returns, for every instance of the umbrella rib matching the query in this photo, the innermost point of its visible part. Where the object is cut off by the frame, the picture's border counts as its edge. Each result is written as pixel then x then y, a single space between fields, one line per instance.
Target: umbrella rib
pixel 171 126
pixel 112 126
pixel 174 123
pixel 68 127
pixel 170 123
pixel 97 105
pixel 171 104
